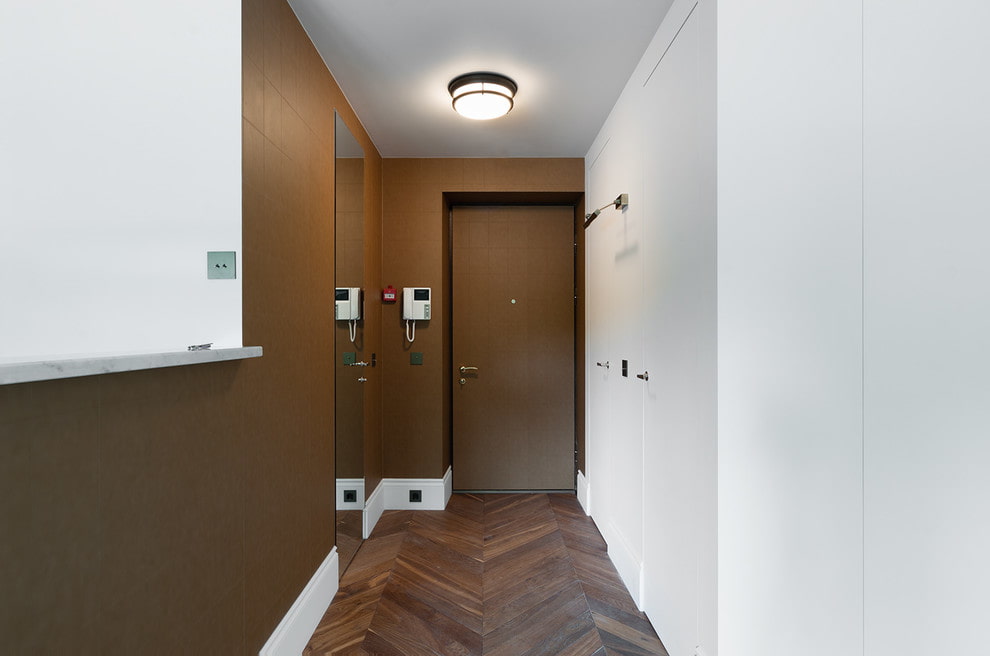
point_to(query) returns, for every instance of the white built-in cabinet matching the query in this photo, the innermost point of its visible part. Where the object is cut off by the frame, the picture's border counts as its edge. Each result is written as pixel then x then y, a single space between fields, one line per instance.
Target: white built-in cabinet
pixel 801 269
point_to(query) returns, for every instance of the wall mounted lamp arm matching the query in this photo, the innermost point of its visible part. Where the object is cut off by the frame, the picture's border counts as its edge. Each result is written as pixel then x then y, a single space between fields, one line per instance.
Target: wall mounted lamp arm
pixel 621 202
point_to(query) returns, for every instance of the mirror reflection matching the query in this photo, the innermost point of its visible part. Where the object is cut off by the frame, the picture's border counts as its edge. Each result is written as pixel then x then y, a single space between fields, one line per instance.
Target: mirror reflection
pixel 349 351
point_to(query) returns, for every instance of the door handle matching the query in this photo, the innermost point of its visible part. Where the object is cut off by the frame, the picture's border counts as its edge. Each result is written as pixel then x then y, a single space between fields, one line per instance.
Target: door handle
pixel 464 370
pixel 643 376
pixel 603 364
pixel 357 364
pixel 362 379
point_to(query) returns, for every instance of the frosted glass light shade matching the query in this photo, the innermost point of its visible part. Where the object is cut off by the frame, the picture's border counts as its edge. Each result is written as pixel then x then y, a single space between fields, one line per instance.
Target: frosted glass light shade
pixel 482 96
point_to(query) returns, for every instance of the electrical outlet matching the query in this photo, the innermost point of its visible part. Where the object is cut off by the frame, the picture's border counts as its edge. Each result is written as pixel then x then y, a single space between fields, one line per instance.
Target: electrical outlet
pixel 221 264
pixel 415 496
pixel 350 496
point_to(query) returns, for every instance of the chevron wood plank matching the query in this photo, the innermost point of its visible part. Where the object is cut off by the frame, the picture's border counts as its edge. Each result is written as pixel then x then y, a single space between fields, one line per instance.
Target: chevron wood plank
pixel 561 624
pixel 468 506
pixel 524 578
pixel 627 640
pixel 442 578
pixel 492 575
pixel 458 533
pixel 417 627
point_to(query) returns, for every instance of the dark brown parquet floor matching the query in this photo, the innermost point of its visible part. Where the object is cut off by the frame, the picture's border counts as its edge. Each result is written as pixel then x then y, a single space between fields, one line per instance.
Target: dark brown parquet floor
pixel 493 574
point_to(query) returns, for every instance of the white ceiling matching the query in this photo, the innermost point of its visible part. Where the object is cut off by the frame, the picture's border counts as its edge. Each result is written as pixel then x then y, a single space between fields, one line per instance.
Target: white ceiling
pixel 394 58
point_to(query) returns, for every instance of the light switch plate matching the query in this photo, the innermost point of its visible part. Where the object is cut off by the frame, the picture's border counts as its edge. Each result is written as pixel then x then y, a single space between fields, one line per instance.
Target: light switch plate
pixel 221 264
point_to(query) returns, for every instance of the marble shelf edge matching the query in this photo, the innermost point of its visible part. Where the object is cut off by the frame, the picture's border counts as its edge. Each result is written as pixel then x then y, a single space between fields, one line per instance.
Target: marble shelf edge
pixel 27 372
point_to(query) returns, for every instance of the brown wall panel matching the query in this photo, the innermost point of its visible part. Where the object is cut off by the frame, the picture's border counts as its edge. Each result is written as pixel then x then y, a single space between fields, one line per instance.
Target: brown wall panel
pixel 182 510
pixel 416 430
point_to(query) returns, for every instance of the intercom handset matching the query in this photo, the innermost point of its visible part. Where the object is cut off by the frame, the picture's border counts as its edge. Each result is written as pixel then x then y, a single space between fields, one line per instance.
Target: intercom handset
pixel 415 307
pixel 416 303
pixel 347 303
pixel 347 307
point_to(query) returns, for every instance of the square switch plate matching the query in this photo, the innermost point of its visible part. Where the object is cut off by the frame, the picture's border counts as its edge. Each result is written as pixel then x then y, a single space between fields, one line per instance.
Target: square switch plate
pixel 221 264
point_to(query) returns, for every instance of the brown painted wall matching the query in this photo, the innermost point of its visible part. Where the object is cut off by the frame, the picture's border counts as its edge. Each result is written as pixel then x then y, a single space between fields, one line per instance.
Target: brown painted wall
pixel 182 510
pixel 416 431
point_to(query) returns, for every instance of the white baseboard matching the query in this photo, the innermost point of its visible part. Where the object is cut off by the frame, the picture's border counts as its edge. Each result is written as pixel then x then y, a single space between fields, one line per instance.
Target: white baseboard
pixel 448 485
pixel 373 510
pixel 626 564
pixel 356 484
pixel 435 492
pixel 583 493
pixel 297 627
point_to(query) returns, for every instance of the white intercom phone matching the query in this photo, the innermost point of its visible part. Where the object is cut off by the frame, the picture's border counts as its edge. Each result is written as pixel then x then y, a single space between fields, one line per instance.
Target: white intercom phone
pixel 415 307
pixel 347 307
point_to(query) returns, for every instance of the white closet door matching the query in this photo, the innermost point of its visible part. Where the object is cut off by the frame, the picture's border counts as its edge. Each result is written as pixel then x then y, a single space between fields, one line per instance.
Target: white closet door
pixel 927 322
pixel 599 313
pixel 680 347
pixel 615 239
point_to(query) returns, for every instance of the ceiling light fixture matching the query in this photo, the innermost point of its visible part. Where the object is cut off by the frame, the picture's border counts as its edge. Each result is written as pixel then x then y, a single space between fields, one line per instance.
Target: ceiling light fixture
pixel 482 96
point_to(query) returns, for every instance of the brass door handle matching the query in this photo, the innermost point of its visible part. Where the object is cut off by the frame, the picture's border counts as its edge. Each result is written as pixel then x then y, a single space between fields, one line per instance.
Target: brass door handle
pixel 467 369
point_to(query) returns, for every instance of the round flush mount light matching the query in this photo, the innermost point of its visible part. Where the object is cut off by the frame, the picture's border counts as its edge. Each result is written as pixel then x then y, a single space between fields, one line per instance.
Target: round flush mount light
pixel 482 96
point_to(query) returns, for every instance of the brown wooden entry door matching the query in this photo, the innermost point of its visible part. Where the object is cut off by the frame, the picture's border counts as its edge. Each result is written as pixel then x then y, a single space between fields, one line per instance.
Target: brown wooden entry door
pixel 513 332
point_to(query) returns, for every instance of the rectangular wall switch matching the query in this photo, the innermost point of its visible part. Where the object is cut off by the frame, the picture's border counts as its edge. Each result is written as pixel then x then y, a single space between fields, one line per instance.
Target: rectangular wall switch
pixel 415 358
pixel 221 264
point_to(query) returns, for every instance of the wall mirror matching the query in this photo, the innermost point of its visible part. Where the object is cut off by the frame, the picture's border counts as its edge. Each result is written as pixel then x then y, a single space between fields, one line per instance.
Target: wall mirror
pixel 349 348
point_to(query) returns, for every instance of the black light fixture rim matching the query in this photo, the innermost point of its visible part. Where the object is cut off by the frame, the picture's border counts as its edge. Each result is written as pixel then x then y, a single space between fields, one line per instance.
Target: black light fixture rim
pixel 483 76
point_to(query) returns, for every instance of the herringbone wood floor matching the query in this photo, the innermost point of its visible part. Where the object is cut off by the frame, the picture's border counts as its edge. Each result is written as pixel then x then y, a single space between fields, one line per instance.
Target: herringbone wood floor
pixel 494 574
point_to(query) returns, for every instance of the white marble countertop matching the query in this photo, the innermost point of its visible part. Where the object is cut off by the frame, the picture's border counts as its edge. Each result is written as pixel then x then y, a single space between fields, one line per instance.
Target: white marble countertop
pixel 25 372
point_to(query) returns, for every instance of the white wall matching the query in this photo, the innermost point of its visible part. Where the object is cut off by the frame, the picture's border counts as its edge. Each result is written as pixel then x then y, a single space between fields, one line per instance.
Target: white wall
pixel 120 166
pixel 651 300
pixel 927 327
pixel 790 504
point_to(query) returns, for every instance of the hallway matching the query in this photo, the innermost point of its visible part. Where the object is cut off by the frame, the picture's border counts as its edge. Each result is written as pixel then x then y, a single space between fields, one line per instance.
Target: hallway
pixel 499 574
